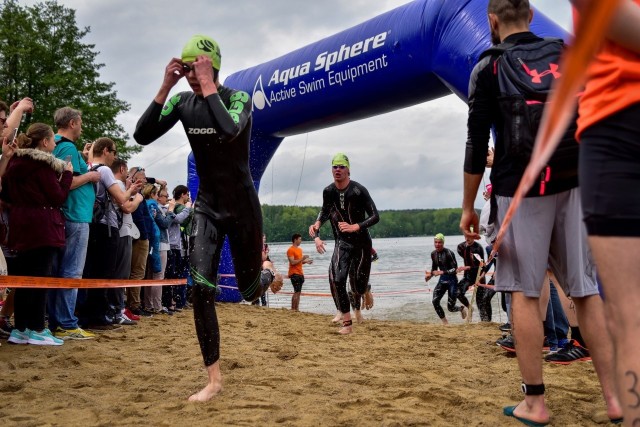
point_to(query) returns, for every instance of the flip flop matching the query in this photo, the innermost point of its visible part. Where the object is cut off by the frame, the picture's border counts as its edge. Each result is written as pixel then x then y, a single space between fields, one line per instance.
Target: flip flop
pixel 508 411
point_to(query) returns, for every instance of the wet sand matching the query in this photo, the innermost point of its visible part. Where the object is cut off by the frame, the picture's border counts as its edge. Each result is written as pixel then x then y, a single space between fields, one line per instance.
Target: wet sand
pixel 287 369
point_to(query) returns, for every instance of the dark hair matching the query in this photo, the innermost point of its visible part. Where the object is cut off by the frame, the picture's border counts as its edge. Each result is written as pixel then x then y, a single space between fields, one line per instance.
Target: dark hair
pixel 4 107
pixel 100 144
pixel 179 191
pixel 63 116
pixel 510 11
pixel 35 134
pixel 295 237
pixel 117 164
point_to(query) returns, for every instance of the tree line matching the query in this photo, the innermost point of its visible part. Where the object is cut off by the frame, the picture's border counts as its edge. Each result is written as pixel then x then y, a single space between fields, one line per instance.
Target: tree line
pixel 280 222
pixel 43 57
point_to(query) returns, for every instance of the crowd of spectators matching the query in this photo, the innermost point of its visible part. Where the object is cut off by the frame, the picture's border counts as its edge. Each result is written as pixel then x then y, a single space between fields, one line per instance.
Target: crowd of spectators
pixel 83 213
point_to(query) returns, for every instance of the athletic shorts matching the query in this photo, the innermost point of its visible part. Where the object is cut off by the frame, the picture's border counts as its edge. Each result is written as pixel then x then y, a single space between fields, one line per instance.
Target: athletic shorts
pixel 545 231
pixel 297 280
pixel 610 175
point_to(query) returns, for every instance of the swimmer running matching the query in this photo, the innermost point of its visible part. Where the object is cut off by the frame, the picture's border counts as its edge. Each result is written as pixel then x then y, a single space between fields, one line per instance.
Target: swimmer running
pixel 217 121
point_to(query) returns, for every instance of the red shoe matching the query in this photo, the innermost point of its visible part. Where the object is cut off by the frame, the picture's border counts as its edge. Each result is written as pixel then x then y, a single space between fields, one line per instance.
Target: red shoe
pixel 130 315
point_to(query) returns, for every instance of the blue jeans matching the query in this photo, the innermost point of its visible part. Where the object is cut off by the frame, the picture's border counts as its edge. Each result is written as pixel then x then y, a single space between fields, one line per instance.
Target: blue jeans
pixel 556 325
pixel 61 303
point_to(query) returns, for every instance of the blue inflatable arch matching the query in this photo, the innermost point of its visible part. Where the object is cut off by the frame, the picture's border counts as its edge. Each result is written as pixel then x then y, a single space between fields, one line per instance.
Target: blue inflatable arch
pixel 415 53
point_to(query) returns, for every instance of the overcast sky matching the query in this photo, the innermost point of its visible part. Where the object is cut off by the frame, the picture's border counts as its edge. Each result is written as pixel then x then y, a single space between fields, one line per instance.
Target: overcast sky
pixel 407 159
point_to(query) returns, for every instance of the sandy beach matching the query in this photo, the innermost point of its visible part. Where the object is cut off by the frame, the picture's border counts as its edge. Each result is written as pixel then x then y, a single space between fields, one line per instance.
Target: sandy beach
pixel 287 369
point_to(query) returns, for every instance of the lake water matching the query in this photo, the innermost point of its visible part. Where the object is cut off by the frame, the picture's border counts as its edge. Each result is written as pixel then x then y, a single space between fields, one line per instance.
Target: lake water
pixel 397 280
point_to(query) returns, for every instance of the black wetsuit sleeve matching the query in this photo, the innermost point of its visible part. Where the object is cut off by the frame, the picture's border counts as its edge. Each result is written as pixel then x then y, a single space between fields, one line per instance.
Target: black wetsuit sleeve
pixel 479 121
pixel 434 261
pixel 233 120
pixel 453 262
pixel 152 124
pixel 370 209
pixel 477 249
pixel 461 249
pixel 323 215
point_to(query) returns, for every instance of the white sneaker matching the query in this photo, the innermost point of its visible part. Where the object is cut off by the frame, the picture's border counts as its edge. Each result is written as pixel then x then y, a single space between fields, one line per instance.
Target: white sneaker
pixel 44 338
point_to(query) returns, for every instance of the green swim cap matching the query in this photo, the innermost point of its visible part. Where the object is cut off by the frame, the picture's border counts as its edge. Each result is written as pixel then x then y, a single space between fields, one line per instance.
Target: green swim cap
pixel 202 45
pixel 340 159
pixel 439 236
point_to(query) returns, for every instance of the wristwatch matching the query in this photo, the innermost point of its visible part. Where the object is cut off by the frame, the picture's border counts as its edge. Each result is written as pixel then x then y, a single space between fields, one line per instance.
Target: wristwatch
pixel 532 389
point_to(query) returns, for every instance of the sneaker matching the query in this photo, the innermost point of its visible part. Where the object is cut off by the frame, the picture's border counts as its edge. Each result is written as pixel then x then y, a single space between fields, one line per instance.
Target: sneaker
pixel 131 315
pixel 506 343
pixel 546 345
pixel 572 352
pixel 505 327
pixel 146 313
pixel 104 328
pixel 463 312
pixel 73 334
pixel 18 337
pixel 135 311
pixel 165 310
pixel 44 338
pixel 123 320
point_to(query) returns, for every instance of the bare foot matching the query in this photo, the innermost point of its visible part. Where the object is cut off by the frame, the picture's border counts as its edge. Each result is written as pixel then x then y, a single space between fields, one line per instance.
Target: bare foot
pixel 463 312
pixel 346 327
pixel 213 387
pixel 445 321
pixel 337 318
pixel 359 318
pixel 368 300
pixel 206 394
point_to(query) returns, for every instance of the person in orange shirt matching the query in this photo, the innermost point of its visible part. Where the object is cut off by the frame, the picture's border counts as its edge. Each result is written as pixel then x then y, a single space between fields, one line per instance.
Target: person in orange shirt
pixel 609 168
pixel 296 275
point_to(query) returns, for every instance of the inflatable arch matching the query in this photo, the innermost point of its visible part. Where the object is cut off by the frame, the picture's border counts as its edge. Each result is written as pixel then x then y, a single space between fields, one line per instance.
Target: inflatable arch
pixel 415 53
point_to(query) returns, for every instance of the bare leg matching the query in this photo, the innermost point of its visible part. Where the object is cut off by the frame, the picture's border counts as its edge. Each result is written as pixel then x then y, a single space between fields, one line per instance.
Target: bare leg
pixel 359 318
pixel 295 301
pixel 528 335
pixel 337 318
pixel 567 305
pixel 591 317
pixel 213 387
pixel 445 321
pixel 368 300
pixel 617 262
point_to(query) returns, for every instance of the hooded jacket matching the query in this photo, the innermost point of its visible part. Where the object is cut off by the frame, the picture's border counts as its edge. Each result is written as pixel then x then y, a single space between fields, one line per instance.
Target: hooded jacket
pixel 35 185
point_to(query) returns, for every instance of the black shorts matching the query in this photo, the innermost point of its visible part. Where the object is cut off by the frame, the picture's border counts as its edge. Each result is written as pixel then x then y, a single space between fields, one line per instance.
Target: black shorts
pixel 297 280
pixel 610 175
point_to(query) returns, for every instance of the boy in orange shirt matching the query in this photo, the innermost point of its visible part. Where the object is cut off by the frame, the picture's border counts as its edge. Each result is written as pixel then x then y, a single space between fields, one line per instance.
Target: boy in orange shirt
pixel 296 275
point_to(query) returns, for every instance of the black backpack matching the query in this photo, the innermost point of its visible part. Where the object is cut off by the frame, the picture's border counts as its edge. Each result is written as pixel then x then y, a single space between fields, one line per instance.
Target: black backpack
pixel 100 206
pixel 525 74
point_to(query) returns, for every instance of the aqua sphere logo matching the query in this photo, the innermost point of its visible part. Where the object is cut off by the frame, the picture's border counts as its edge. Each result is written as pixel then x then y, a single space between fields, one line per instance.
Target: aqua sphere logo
pixel 260 99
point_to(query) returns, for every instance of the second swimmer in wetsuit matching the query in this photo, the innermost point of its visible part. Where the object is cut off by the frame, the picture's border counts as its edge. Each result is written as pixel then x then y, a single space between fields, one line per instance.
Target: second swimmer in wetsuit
pixel 349 208
pixel 217 121
pixel 444 264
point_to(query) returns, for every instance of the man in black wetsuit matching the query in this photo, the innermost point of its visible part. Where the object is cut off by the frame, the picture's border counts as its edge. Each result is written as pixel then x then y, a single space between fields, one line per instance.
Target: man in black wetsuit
pixel 467 250
pixel 444 264
pixel 217 121
pixel 351 211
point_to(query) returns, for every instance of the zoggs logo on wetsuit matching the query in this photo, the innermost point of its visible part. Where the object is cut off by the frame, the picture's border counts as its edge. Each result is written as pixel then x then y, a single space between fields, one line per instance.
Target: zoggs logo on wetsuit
pixel 324 61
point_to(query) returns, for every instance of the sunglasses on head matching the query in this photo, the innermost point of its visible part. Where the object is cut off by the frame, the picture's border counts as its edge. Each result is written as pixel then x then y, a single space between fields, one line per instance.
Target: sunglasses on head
pixel 339 166
pixel 138 169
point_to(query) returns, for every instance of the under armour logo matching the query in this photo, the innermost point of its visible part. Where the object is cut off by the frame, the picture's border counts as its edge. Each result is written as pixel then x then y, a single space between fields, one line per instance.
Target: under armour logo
pixel 536 77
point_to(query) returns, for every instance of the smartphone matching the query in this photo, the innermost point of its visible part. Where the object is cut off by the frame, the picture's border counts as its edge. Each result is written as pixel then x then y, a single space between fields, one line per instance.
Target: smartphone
pixel 13 136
